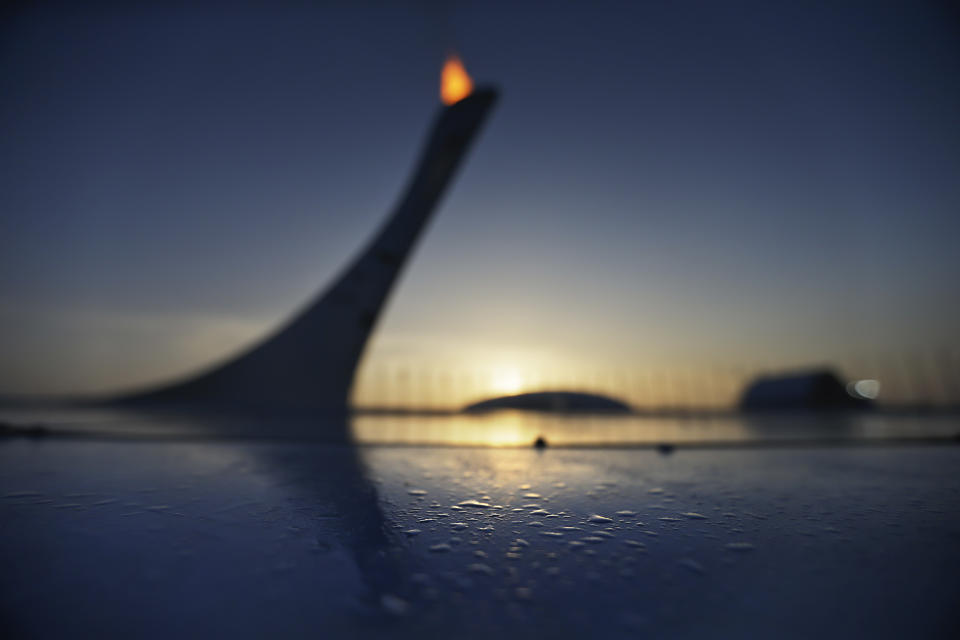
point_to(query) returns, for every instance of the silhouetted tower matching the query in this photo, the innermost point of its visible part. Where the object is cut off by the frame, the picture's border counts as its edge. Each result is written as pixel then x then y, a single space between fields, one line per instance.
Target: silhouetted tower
pixel 310 362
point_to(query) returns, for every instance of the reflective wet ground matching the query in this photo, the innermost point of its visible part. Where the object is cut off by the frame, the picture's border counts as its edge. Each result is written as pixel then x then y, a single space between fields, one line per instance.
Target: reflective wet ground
pixel 246 538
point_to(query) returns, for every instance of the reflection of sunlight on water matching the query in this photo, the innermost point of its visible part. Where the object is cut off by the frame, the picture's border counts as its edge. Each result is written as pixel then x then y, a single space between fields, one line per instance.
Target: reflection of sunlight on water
pixel 517 428
pixel 501 430
pixel 506 479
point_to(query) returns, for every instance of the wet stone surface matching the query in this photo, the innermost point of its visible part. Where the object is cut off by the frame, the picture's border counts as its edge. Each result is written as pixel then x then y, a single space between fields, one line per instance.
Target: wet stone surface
pixel 157 540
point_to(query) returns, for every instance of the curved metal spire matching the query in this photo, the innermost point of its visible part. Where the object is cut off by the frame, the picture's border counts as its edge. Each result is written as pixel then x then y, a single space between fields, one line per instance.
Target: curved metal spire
pixel 310 362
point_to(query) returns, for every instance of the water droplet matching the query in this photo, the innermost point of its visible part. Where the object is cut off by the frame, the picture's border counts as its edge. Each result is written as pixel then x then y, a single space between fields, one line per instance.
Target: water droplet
pixel 479 567
pixel 692 565
pixel 635 543
pixel 532 496
pixel 440 548
pixel 598 518
pixel 551 534
pixel 475 503
pixel 626 513
pixel 417 492
pixel 534 523
pixel 480 553
pixel 459 526
pixel 411 532
pixel 592 539
pixel 670 519
pixel 540 512
pixel 520 542
pixel 394 605
pixel 695 516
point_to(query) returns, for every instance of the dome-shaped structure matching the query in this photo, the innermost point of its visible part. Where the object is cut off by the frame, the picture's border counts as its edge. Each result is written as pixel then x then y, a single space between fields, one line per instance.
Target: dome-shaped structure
pixel 818 389
pixel 554 401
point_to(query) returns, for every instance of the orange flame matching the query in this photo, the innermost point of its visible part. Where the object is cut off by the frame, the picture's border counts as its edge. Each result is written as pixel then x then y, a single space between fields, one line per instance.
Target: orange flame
pixel 455 84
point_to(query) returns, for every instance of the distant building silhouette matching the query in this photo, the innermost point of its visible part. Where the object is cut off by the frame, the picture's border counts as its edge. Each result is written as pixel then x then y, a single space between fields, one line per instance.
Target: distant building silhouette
pixel 816 389
pixel 555 401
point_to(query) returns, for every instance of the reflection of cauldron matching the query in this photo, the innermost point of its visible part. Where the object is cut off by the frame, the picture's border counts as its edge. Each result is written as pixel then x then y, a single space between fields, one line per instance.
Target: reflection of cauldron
pixel 333 480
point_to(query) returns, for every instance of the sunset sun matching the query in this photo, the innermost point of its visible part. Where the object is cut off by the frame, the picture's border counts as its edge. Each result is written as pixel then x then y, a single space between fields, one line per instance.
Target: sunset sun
pixel 506 380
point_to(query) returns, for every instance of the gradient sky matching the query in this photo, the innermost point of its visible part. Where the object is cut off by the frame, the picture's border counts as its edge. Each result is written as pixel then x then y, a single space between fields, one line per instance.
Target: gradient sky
pixel 664 185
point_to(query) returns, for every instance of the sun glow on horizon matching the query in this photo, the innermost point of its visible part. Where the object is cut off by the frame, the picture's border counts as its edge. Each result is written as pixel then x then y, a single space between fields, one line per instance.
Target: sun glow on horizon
pixel 506 380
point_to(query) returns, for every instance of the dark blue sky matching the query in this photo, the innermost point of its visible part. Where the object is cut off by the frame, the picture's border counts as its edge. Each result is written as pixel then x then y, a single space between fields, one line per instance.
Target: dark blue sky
pixel 664 184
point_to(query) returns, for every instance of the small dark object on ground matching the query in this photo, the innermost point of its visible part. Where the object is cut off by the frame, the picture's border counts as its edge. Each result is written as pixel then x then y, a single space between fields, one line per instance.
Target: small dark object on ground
pixel 540 443
pixel 666 448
